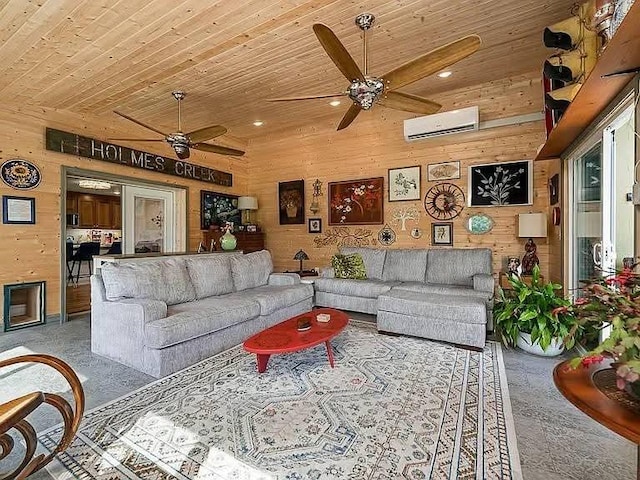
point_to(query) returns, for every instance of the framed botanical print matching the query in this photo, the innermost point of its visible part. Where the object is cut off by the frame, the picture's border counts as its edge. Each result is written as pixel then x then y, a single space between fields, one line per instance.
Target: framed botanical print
pixel 218 208
pixel 315 225
pixel 404 183
pixel 357 202
pixel 437 172
pixel 291 202
pixel 501 184
pixel 442 234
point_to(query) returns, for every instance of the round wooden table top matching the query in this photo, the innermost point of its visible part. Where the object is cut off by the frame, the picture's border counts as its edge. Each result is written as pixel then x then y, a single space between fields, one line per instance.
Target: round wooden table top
pixel 285 337
pixel 593 390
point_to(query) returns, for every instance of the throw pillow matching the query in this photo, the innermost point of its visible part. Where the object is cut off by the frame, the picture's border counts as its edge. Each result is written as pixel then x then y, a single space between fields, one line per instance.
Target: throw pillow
pixel 349 266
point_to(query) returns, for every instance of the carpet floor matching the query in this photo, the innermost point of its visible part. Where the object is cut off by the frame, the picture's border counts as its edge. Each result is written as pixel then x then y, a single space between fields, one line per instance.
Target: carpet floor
pixel 394 407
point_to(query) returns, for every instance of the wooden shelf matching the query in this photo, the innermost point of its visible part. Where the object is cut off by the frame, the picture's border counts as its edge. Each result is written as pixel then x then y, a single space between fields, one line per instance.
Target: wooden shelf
pixel 622 52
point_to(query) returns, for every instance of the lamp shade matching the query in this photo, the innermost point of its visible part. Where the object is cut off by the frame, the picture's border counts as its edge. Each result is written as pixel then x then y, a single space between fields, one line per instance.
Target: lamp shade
pixel 532 225
pixel 247 203
pixel 301 255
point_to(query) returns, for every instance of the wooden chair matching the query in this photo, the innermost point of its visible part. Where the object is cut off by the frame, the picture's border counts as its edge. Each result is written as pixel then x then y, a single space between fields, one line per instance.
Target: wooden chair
pixel 13 413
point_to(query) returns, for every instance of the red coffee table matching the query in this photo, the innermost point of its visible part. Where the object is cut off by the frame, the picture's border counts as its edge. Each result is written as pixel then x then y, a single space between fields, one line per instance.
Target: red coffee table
pixel 285 337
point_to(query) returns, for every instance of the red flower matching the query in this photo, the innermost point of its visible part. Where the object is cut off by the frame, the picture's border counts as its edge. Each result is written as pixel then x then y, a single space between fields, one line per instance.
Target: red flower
pixel 590 360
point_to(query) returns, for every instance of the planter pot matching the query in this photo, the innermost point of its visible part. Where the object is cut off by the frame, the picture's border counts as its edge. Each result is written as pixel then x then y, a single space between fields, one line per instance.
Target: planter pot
pixel 292 211
pixel 553 350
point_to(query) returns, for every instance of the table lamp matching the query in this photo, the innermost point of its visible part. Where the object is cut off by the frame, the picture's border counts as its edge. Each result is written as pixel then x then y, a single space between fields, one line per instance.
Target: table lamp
pixel 531 225
pixel 301 255
pixel 246 204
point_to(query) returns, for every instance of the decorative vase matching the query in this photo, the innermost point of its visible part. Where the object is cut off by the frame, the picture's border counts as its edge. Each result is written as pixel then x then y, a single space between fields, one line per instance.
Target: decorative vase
pixel 228 241
pixel 292 211
pixel 553 350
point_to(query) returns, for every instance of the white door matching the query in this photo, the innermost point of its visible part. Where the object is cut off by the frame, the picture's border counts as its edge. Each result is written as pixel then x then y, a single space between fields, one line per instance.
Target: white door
pixel 148 220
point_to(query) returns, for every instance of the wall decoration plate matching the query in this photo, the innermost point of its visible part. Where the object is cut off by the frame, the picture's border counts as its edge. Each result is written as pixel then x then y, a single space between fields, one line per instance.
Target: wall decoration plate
pixel 437 172
pixel 501 184
pixel 444 201
pixel 416 233
pixel 20 174
pixel 386 236
pixel 404 183
pixel 479 224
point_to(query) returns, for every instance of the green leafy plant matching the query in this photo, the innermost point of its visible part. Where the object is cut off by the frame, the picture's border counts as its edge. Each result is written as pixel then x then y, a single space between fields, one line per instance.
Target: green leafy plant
pixel 535 309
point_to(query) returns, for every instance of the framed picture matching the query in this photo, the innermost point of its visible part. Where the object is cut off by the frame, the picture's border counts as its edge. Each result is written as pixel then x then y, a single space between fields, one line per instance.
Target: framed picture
pixel 554 192
pixel 404 183
pixel 252 228
pixel 501 184
pixel 437 172
pixel 218 208
pixel 442 234
pixel 18 210
pixel 291 201
pixel 315 225
pixel 357 202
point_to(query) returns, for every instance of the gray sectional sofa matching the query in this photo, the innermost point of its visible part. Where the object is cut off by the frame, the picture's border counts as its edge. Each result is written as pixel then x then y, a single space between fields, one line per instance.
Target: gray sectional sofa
pixel 441 294
pixel 159 316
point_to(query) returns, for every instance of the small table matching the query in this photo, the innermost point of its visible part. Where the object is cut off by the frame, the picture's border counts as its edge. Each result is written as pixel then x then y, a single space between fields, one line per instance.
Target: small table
pixel 593 390
pixel 285 337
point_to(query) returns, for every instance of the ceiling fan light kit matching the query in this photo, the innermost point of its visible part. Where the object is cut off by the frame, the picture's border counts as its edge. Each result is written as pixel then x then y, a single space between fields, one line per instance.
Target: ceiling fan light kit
pixel 366 90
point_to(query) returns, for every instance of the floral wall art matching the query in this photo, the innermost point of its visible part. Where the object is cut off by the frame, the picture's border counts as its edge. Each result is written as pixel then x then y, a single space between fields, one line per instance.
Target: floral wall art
pixel 501 184
pixel 356 202
pixel 291 200
pixel 404 183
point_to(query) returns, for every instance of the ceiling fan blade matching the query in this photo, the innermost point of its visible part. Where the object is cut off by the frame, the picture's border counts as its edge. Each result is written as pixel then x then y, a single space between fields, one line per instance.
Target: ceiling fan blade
pixel 338 53
pixel 137 139
pixel 306 97
pixel 431 62
pixel 409 103
pixel 350 116
pixel 140 123
pixel 206 133
pixel 206 147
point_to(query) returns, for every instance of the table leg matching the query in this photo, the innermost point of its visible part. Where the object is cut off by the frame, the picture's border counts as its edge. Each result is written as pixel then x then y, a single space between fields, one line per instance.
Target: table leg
pixel 263 359
pixel 329 352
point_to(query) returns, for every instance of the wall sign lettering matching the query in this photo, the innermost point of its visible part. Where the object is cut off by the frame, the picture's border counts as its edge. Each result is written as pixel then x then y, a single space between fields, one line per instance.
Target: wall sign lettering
pixel 73 144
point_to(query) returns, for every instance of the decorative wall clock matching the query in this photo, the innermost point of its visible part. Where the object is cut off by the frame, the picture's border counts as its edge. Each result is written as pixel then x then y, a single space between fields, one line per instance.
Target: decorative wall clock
pixel 444 201
pixel 20 174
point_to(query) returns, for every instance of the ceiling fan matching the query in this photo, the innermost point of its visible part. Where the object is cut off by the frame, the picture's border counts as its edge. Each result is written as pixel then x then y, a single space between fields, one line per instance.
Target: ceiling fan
pixel 181 142
pixel 365 90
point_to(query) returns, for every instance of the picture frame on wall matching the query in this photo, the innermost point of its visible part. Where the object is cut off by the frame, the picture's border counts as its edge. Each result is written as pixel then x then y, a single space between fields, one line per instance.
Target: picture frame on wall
pixel 291 202
pixel 442 234
pixel 357 202
pixel 18 210
pixel 315 225
pixel 501 184
pixel 218 208
pixel 437 172
pixel 404 183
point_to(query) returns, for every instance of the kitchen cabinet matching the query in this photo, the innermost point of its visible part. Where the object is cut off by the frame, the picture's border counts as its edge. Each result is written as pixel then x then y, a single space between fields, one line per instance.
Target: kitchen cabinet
pixel 86 211
pixel 72 202
pixel 116 213
pixel 104 219
pixel 99 211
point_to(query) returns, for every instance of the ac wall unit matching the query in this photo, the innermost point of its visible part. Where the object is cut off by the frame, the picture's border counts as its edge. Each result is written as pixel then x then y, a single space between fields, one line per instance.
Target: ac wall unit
pixel 446 123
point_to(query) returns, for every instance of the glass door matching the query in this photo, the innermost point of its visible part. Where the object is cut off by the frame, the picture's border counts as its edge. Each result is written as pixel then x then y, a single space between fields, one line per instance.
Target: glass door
pixel 149 224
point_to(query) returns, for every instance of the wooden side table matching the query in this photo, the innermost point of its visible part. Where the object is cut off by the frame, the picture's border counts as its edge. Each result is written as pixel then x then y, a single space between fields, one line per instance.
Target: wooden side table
pixel 593 390
pixel 246 241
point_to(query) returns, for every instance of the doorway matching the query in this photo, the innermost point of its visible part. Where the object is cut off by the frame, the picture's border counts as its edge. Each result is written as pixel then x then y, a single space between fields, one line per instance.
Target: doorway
pixel 112 215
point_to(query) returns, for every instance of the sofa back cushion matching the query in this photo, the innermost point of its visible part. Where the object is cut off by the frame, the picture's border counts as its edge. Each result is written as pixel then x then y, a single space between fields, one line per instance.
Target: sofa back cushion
pixel 373 259
pixel 457 266
pixel 405 265
pixel 349 266
pixel 210 274
pixel 166 280
pixel 251 270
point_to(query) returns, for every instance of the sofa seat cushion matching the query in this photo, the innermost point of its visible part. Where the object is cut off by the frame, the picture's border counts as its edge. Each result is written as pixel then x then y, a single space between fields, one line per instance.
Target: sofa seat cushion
pixel 438 289
pixel 194 319
pixel 353 288
pixel 405 265
pixel 457 266
pixel 275 297
pixel 456 309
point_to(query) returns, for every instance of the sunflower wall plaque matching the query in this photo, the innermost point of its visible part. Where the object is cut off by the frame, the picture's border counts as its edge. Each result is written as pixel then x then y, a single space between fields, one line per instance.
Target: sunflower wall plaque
pixel 20 174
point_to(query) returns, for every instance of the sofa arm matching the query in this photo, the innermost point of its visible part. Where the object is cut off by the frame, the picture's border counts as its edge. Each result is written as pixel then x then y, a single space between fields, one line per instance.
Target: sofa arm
pixel 145 308
pixel 284 279
pixel 483 282
pixel 327 272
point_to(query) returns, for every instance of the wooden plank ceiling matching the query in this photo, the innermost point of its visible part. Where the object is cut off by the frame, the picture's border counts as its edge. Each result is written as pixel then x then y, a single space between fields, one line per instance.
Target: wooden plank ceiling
pixel 93 56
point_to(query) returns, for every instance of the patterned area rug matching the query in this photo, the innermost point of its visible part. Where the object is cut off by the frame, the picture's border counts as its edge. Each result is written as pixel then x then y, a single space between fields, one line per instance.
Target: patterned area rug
pixel 393 408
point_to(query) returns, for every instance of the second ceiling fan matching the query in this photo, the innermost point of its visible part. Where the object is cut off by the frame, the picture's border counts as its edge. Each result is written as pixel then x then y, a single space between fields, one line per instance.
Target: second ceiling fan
pixel 366 90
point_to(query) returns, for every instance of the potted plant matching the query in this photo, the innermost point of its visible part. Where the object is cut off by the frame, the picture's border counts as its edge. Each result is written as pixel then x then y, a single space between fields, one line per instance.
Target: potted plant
pixel 532 316
pixel 612 302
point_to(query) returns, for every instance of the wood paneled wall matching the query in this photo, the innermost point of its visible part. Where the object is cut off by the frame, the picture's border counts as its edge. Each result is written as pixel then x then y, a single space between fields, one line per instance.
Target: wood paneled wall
pixel 555 238
pixel 375 143
pixel 32 252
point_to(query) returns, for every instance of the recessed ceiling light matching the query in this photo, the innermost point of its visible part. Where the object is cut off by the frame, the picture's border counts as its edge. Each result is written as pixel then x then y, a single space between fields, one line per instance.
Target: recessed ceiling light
pixel 334 103
pixel 258 123
pixel 444 74
pixel 94 184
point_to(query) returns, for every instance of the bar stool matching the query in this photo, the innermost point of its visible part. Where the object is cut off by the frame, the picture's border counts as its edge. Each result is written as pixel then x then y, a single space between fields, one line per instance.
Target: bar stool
pixel 85 253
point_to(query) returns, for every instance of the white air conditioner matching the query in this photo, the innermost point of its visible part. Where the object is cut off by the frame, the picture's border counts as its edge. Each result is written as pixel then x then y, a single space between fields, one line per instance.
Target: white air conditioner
pixel 446 123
